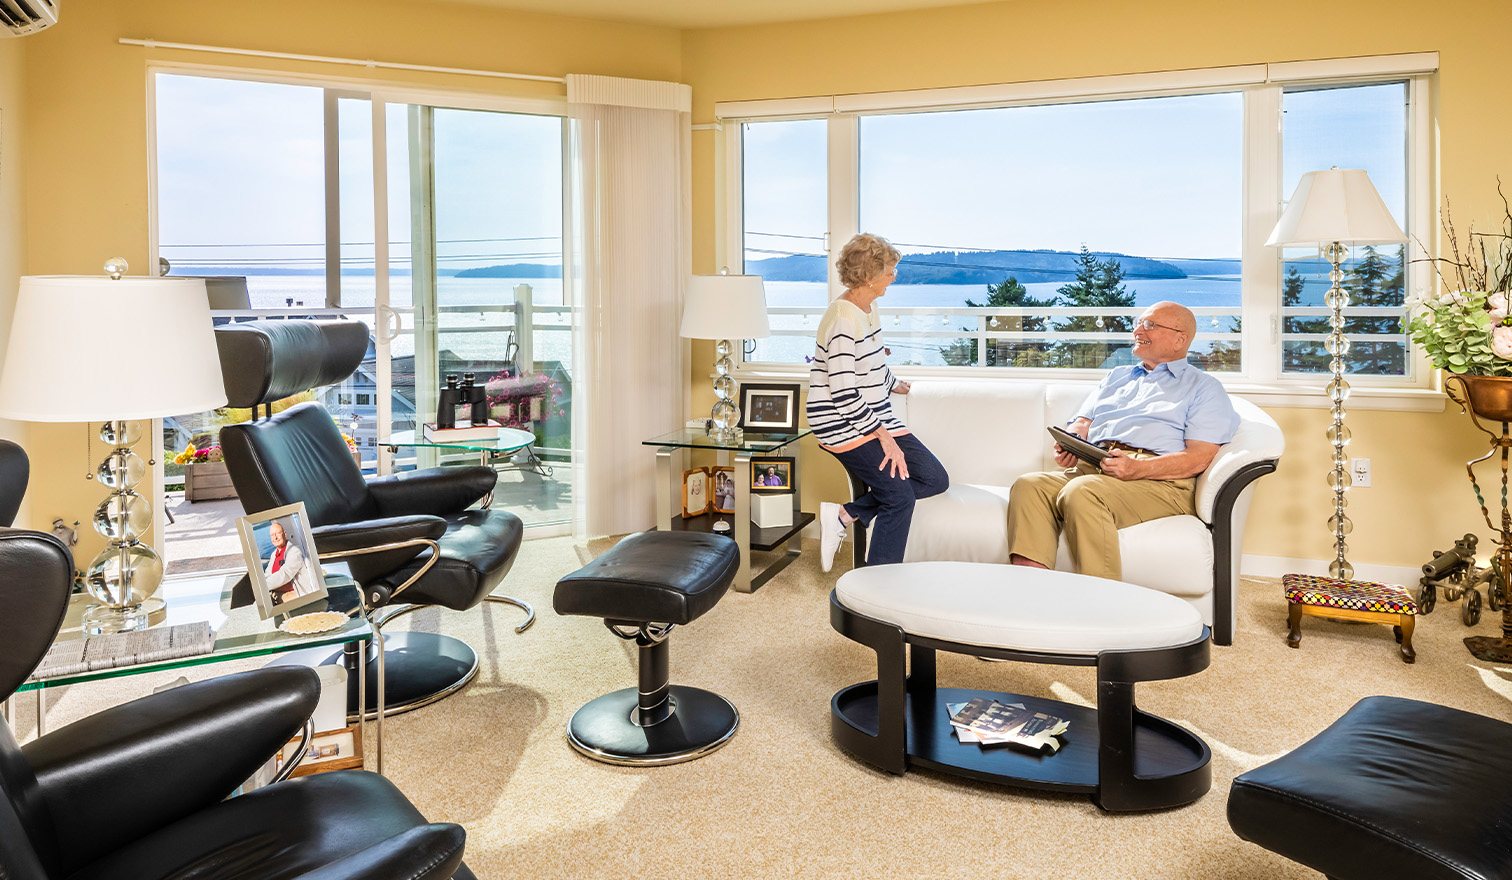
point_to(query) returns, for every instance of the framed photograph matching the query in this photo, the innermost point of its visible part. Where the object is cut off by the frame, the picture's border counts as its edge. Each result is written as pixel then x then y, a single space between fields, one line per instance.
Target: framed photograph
pixel 282 564
pixel 722 493
pixel 769 407
pixel 695 492
pixel 772 476
pixel 339 749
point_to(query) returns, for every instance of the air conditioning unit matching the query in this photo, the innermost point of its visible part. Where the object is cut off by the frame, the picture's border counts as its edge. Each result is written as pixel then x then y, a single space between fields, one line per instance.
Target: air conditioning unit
pixel 21 17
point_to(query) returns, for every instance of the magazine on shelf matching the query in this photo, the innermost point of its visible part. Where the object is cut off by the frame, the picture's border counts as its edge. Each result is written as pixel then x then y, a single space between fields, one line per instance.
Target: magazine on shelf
pixel 463 432
pixel 988 722
pixel 154 645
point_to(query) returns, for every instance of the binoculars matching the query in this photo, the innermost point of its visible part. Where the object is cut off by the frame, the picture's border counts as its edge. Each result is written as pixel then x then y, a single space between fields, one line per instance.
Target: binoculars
pixel 465 393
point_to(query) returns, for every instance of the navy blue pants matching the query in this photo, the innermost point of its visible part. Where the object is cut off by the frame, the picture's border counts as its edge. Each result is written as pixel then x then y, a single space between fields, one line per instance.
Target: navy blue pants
pixel 889 500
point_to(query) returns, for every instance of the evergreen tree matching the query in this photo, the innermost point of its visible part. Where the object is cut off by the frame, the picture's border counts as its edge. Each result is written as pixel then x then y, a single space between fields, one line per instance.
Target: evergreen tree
pixel 1291 289
pixel 1009 294
pixel 1098 284
pixel 1375 281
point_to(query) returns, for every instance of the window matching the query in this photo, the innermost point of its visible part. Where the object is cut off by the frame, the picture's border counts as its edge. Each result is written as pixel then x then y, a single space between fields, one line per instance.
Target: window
pixel 1037 220
pixel 364 400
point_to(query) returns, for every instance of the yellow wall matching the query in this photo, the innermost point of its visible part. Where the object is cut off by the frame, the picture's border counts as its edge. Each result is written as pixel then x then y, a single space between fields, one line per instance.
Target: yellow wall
pixel 1420 498
pixel 87 188
pixel 12 173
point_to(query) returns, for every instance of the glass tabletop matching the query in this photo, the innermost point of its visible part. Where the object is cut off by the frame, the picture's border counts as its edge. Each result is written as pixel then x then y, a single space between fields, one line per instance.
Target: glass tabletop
pixel 239 631
pixel 509 440
pixel 752 441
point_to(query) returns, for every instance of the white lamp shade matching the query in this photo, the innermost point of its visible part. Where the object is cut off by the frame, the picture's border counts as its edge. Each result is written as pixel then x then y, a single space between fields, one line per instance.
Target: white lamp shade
pixel 725 307
pixel 88 348
pixel 1339 205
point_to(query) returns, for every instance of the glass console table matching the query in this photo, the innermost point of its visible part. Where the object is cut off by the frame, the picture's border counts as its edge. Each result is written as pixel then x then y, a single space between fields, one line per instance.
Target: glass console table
pixel 490 451
pixel 671 461
pixel 239 634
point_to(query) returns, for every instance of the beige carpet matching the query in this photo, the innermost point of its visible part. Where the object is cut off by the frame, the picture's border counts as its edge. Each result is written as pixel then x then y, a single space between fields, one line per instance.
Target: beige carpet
pixel 781 801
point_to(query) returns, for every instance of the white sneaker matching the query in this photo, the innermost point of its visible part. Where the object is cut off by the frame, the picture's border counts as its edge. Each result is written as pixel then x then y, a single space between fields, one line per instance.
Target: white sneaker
pixel 831 533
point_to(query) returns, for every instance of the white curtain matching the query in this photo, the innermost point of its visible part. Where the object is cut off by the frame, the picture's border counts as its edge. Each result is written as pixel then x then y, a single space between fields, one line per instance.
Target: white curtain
pixel 630 203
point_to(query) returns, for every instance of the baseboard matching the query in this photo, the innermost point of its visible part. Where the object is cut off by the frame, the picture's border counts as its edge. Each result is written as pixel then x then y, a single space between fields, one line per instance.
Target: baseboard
pixel 1276 566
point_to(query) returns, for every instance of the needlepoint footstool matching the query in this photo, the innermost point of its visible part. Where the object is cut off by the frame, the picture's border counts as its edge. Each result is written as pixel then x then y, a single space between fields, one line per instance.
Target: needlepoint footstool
pixel 1364 601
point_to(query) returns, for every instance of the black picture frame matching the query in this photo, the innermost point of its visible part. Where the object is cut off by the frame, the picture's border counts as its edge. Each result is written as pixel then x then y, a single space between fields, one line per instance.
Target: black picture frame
pixel 770 407
pixel 784 467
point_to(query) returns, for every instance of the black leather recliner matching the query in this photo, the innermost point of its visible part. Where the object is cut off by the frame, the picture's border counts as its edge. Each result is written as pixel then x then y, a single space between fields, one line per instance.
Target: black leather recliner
pixel 139 791
pixel 410 539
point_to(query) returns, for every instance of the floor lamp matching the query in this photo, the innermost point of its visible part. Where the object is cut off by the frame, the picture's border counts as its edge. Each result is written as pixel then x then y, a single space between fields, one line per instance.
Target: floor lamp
pixel 113 350
pixel 1334 209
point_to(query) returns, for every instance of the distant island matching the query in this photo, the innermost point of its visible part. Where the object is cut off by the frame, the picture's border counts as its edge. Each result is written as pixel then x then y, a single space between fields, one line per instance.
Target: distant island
pixel 512 270
pixel 978 267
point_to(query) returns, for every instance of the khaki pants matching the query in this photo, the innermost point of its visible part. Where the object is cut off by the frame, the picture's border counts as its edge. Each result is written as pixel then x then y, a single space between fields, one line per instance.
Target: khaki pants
pixel 1091 507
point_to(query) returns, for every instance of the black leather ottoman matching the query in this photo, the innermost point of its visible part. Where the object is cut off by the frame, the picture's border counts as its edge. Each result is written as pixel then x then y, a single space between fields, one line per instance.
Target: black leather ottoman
pixel 644 586
pixel 1394 789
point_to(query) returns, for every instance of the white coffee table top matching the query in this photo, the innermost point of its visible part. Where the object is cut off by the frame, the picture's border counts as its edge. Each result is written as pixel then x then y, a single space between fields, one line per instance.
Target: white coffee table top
pixel 1015 607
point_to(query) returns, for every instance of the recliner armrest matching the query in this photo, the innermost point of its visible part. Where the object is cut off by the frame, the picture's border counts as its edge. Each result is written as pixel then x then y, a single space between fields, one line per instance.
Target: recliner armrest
pixel 427 852
pixel 355 543
pixel 437 491
pixel 132 769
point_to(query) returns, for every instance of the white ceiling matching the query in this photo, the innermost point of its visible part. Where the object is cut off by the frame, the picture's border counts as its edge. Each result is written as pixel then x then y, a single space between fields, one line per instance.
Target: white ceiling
pixel 710 13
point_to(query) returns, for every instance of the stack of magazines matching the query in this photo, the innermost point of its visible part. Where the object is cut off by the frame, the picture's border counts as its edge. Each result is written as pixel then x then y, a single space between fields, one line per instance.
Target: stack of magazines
pixel 989 723
pixel 73 656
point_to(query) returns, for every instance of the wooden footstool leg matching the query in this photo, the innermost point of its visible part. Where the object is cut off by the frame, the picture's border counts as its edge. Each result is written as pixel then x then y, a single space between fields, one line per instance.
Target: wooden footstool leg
pixel 1404 635
pixel 1294 620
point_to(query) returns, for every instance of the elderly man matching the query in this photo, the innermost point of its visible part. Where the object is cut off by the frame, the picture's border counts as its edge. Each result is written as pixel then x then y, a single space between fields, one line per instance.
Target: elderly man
pixel 288 575
pixel 1161 420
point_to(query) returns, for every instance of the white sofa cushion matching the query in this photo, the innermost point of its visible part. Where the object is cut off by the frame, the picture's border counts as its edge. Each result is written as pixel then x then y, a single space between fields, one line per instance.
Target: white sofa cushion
pixel 1003 606
pixel 984 432
pixel 967 523
pixel 1173 554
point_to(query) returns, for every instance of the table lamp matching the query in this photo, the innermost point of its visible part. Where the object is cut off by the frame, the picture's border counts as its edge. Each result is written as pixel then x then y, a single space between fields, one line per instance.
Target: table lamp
pixel 1334 209
pixel 113 350
pixel 725 307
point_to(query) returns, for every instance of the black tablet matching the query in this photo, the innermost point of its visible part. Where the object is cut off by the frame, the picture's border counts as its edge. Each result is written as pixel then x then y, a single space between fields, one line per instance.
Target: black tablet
pixel 1078 447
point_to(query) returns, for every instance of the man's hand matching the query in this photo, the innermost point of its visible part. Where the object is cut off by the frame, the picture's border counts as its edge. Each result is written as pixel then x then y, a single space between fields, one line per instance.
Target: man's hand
pixel 900 387
pixel 1063 458
pixel 1079 427
pixel 1121 466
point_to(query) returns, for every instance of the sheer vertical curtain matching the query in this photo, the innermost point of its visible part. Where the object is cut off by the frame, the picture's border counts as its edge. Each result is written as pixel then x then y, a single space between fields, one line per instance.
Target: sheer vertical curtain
pixel 630 206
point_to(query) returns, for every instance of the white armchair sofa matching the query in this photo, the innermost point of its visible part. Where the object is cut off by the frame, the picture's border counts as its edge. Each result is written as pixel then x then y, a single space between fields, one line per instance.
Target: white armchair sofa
pixel 987 433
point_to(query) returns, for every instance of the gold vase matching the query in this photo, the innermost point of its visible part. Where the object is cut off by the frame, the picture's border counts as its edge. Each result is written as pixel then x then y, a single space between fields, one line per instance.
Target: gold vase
pixel 1489 397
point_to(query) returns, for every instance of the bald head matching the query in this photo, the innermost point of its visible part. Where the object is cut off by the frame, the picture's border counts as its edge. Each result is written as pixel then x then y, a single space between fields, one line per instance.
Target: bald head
pixel 1172 328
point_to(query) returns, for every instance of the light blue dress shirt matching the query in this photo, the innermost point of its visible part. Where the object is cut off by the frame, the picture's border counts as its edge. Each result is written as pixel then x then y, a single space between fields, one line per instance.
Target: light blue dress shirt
pixel 1160 409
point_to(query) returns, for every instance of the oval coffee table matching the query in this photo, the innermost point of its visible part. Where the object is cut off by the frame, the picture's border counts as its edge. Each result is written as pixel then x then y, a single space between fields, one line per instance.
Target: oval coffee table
pixel 1126 759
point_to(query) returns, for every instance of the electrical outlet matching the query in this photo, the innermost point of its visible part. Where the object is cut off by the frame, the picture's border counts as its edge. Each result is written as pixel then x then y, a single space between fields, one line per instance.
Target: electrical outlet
pixel 1359 472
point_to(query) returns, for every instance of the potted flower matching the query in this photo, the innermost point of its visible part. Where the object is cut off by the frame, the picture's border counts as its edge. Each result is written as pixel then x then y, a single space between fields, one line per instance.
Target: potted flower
pixel 205 476
pixel 1467 330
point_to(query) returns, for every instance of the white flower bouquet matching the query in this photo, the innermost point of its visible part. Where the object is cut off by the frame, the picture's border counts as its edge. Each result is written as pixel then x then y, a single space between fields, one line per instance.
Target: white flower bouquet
pixel 1467 330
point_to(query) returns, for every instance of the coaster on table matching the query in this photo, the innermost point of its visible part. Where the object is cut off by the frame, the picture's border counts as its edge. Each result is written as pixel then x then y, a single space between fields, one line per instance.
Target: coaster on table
pixel 314 622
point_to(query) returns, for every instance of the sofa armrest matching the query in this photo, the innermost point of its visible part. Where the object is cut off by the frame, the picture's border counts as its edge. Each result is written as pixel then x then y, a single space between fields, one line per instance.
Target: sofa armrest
pixel 427 852
pixel 436 491
pixel 1258 440
pixel 125 772
pixel 403 537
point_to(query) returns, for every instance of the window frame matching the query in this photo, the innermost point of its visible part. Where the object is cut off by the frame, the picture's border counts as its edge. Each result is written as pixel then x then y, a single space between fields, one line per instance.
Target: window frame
pixel 1261 87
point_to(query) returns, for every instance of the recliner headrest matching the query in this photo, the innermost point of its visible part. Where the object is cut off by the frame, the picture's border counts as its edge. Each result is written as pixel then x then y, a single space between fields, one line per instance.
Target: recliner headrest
pixel 14 471
pixel 264 361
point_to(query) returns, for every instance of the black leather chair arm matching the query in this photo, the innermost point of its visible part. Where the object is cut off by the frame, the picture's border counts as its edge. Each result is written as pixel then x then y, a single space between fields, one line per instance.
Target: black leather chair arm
pixel 132 769
pixel 438 491
pixel 429 852
pixel 403 537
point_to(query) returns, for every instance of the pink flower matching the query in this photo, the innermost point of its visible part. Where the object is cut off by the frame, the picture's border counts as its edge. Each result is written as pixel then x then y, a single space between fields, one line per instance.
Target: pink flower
pixel 1496 304
pixel 1501 341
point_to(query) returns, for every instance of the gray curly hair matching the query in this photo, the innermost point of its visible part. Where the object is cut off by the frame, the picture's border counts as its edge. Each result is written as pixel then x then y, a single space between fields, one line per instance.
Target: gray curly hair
pixel 864 259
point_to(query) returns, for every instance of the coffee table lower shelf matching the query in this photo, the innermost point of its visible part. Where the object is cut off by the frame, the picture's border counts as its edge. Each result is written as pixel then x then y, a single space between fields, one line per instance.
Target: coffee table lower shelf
pixel 1161 749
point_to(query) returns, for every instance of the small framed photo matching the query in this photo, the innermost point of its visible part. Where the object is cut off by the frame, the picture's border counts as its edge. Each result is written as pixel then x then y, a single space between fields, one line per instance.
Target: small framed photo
pixel 695 492
pixel 722 495
pixel 771 407
pixel 772 476
pixel 282 563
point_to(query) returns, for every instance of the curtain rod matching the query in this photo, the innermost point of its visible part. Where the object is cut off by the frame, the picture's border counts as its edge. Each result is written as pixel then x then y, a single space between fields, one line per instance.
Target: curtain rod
pixel 326 59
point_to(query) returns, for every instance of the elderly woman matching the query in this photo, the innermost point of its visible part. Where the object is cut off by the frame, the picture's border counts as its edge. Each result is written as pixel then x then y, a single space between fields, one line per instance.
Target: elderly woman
pixel 851 415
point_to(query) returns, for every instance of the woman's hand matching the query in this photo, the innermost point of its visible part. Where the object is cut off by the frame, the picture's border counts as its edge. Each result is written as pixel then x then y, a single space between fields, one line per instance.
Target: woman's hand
pixel 892 456
pixel 901 387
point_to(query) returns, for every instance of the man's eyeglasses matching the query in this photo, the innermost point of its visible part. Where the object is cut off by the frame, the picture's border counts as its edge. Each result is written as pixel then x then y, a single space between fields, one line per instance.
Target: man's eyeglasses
pixel 1147 324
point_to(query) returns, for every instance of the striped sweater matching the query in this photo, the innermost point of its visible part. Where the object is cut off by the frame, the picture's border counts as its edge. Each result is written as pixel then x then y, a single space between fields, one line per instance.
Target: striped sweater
pixel 850 382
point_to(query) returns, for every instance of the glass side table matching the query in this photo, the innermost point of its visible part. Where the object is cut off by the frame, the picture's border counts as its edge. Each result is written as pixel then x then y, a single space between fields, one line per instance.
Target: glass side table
pixel 671 460
pixel 490 451
pixel 239 634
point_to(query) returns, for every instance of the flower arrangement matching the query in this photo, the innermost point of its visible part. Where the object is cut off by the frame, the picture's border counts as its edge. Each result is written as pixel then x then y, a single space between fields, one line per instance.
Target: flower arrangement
pixel 192 455
pixel 519 401
pixel 1466 329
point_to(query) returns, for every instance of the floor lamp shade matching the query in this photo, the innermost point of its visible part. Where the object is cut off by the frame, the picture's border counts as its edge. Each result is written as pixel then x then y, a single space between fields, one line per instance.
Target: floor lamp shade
pixel 725 307
pixel 115 351
pixel 93 348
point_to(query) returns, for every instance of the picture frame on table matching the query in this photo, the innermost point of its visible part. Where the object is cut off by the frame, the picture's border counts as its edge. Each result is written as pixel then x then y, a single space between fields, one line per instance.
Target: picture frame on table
pixel 722 489
pixel 695 486
pixel 772 475
pixel 770 407
pixel 283 565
